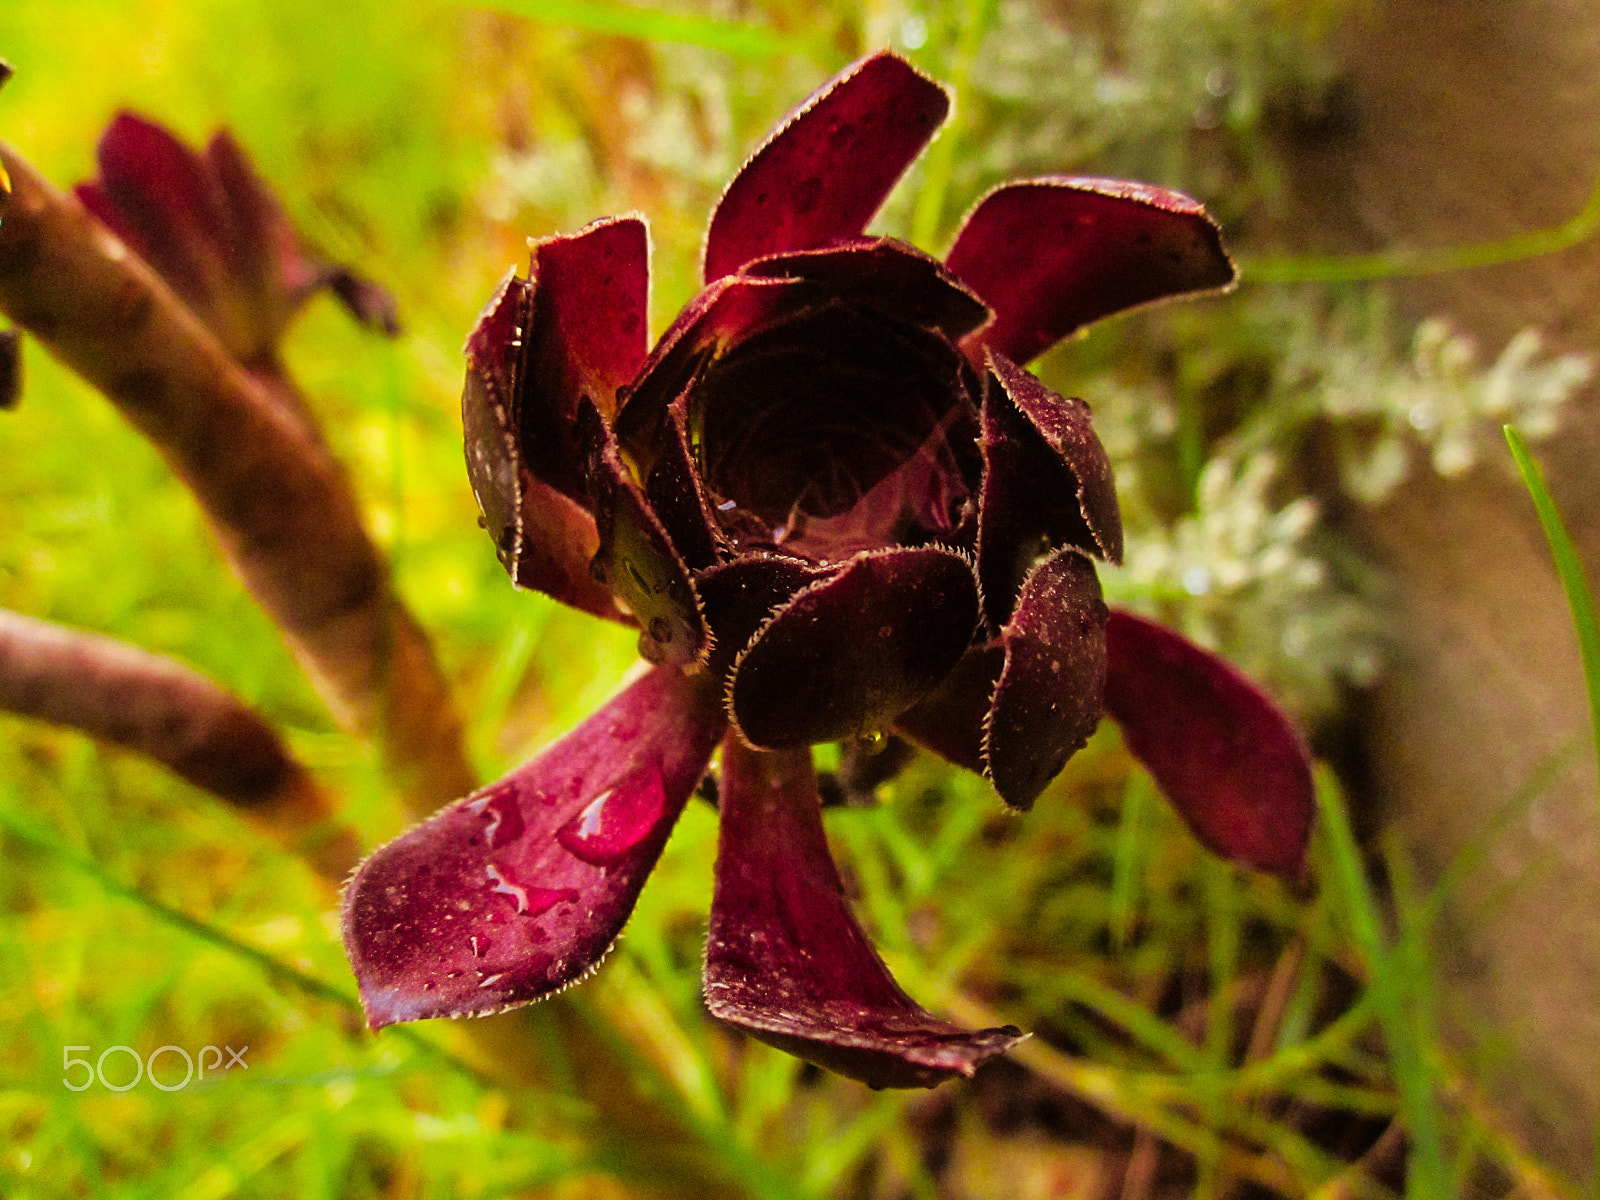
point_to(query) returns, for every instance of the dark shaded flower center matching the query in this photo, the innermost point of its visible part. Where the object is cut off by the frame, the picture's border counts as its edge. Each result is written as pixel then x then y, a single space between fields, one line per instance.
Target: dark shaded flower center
pixel 830 433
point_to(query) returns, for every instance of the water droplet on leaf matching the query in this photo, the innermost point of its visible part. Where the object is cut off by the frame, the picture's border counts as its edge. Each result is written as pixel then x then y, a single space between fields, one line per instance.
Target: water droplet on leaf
pixel 503 814
pixel 616 820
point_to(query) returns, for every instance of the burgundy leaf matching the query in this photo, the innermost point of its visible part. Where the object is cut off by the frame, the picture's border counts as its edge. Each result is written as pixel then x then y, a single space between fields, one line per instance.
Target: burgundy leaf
pixel 786 960
pixel 586 337
pixel 636 558
pixel 1047 483
pixel 1228 759
pixel 1051 255
pixel 886 276
pixel 157 196
pixel 520 889
pixel 800 424
pixel 825 171
pixel 543 539
pixel 677 495
pixel 950 719
pixel 730 309
pixel 848 654
pixel 369 304
pixel 739 596
pixel 1047 701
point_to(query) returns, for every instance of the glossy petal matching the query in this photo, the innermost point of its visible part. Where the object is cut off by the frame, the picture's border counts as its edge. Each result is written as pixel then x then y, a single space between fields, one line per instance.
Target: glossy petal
pixel 848 654
pixel 786 960
pixel 1051 255
pixel 1228 759
pixel 637 559
pixel 801 424
pixel 520 889
pixel 543 538
pixel 1047 701
pixel 586 337
pixel 678 496
pixel 728 310
pixel 886 276
pixel 210 226
pixel 740 596
pixel 1047 483
pixel 822 174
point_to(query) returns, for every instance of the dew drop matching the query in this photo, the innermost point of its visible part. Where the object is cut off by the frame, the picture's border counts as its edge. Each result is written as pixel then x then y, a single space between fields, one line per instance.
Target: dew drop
pixel 636 575
pixel 491 980
pixel 886 631
pixel 659 629
pixel 503 814
pixel 616 820
pixel 505 887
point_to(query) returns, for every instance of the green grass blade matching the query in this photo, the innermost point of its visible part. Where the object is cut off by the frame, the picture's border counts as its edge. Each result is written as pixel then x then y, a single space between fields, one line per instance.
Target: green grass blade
pixel 1580 599
pixel 1428 1176
pixel 1396 264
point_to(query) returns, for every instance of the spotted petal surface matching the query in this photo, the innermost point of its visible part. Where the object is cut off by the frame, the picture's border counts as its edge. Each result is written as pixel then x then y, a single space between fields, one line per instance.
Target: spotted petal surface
pixel 824 172
pixel 586 336
pixel 1047 700
pixel 1046 482
pixel 519 890
pixel 786 960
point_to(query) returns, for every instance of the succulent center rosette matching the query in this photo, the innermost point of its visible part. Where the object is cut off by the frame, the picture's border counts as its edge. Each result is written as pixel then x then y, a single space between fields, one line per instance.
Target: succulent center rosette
pixel 833 505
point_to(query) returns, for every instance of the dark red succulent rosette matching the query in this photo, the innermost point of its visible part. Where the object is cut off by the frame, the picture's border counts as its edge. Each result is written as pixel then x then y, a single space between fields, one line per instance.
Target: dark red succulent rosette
pixel 832 504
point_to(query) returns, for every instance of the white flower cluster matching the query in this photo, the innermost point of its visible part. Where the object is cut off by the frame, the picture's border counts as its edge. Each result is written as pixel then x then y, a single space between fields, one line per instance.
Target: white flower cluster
pixel 1120 87
pixel 1437 398
pixel 1248 571
pixel 1251 579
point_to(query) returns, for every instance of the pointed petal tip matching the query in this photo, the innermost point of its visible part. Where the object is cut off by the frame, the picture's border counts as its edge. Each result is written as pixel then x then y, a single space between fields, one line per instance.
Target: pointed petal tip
pixel 786 960
pixel 915 1060
pixel 823 173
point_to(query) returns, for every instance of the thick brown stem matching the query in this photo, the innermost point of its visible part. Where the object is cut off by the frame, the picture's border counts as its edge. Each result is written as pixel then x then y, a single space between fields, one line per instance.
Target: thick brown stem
pixel 277 500
pixel 163 709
